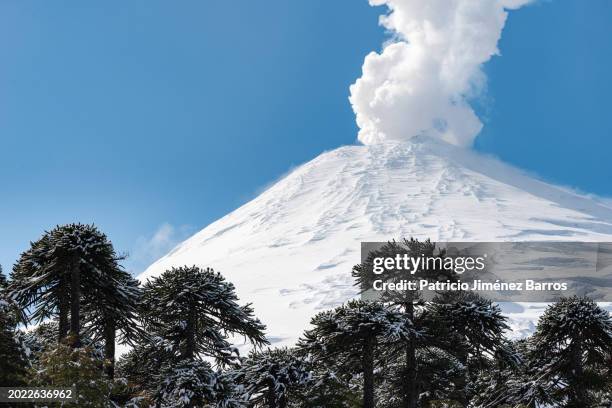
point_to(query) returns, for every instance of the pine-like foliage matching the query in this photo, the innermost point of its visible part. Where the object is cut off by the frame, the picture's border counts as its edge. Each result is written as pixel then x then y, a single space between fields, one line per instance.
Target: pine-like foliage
pixel 12 353
pixel 3 281
pixel 41 338
pixel 513 382
pixel 81 367
pixel 111 308
pixel 197 310
pixel 65 266
pixel 469 327
pixel 117 302
pixel 409 301
pixel 270 376
pixel 566 363
pixel 350 335
pixel 326 389
pixel 143 360
pixel 473 321
pixel 44 338
pixel 193 383
pixel 572 347
pixel 438 373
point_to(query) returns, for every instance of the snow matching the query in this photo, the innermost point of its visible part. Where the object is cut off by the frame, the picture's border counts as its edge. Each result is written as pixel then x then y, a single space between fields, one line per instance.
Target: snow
pixel 290 250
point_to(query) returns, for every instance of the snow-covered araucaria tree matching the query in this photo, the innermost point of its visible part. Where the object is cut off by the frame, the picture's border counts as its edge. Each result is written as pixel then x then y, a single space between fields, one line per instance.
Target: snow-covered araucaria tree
pixel 12 358
pixel 58 272
pixel 565 363
pixel 350 335
pixel 193 384
pixel 437 376
pixel 573 345
pixel 114 307
pixel 407 300
pixel 512 382
pixel 149 356
pixel 270 375
pixel 470 327
pixel 197 310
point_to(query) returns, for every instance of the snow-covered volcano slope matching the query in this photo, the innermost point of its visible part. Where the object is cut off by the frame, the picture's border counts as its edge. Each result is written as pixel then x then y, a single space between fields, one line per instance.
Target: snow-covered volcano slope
pixel 290 251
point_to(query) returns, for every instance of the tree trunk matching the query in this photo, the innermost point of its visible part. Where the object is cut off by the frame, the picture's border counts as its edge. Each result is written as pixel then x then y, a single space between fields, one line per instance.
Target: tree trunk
pixel 190 334
pixel 464 380
pixel 578 395
pixel 75 301
pixel 64 308
pixel 410 382
pixel 367 362
pixel 274 400
pixel 109 347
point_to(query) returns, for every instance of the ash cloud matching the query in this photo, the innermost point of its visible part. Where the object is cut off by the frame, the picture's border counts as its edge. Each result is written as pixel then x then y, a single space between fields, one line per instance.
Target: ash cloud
pixel 422 81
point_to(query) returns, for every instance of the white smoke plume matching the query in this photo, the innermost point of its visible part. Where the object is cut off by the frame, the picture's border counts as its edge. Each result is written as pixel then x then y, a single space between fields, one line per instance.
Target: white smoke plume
pixel 422 81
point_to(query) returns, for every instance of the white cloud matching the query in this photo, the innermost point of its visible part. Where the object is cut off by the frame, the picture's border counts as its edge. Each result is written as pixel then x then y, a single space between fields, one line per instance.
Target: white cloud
pixel 148 249
pixel 423 79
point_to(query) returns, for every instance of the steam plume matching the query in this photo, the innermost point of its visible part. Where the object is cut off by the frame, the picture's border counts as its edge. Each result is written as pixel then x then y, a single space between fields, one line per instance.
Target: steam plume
pixel 423 79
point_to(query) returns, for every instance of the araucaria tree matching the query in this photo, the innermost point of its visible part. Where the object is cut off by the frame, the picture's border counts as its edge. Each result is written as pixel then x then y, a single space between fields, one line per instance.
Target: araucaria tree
pixel 12 357
pixel 61 270
pixel 472 329
pixel 114 307
pixel 514 383
pixel 270 376
pixel 407 301
pixel 194 384
pixel 196 310
pixel 572 347
pixel 351 335
pixel 190 314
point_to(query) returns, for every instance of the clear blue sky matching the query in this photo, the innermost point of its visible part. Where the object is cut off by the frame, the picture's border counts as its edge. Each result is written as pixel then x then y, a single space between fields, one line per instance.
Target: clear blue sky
pixel 143 115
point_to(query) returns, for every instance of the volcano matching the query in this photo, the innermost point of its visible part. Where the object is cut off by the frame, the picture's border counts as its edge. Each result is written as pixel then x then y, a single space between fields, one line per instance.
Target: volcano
pixel 290 250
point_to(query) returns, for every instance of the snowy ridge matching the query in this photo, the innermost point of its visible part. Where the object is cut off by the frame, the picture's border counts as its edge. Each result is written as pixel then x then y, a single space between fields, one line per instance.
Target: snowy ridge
pixel 290 250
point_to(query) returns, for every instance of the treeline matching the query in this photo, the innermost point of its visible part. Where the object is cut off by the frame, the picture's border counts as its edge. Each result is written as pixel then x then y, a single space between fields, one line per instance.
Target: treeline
pixel 397 352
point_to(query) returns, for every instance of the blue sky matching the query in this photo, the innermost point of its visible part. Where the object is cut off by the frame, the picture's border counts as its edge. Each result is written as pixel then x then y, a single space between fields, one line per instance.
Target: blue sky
pixel 154 118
